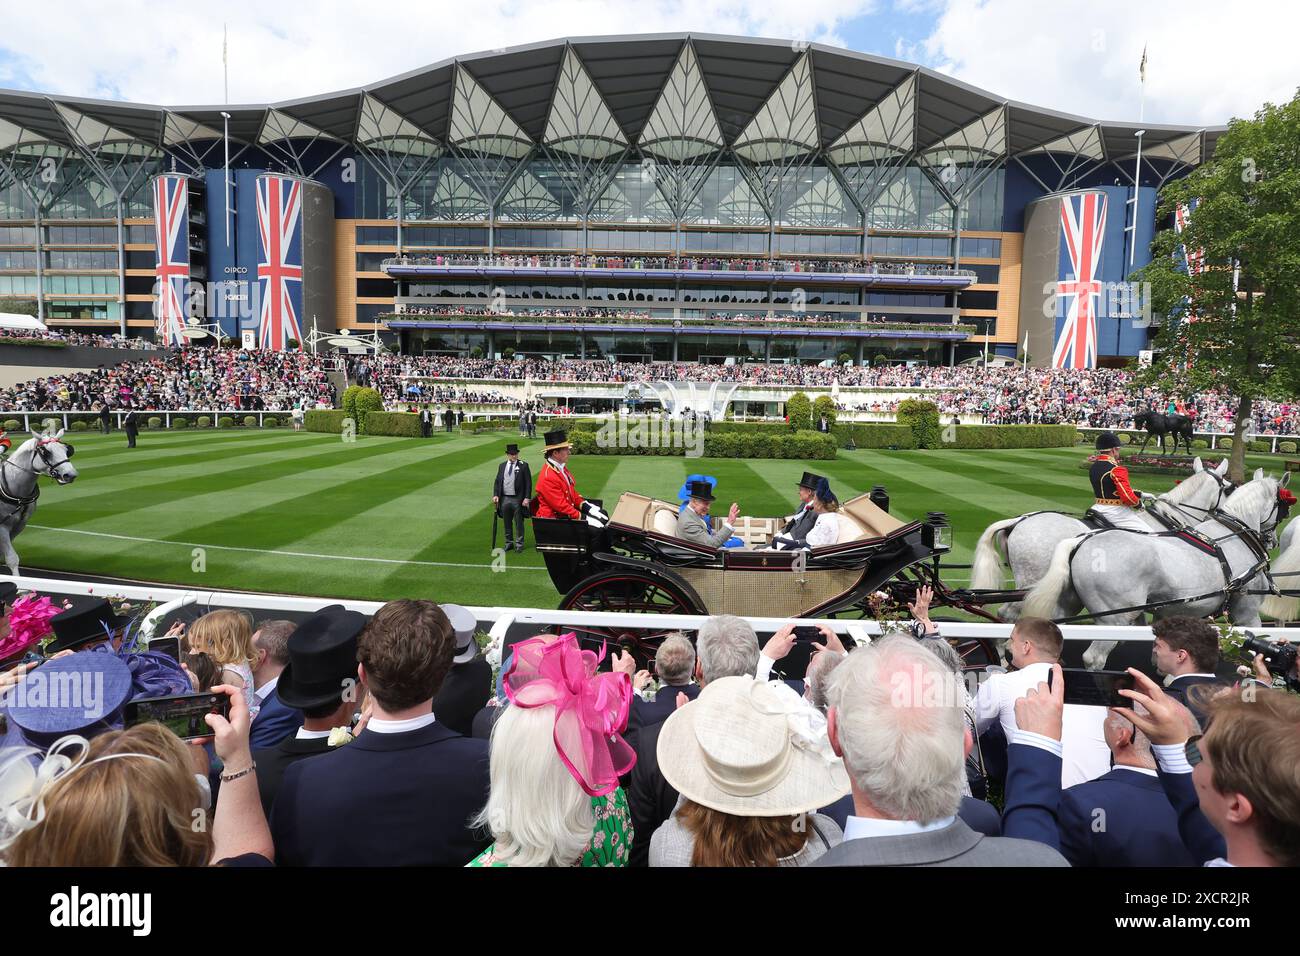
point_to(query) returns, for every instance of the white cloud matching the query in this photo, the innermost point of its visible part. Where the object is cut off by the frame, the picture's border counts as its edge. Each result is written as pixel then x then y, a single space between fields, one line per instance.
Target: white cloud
pixel 1207 60
pixel 170 53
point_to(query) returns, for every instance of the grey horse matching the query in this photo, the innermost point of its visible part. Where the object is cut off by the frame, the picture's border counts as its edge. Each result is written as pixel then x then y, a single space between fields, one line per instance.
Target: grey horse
pixel 1120 569
pixel 1286 575
pixel 42 454
pixel 1029 540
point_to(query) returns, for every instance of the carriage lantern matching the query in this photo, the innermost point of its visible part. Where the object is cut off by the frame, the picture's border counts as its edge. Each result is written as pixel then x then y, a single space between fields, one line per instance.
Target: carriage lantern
pixel 879 498
pixel 936 533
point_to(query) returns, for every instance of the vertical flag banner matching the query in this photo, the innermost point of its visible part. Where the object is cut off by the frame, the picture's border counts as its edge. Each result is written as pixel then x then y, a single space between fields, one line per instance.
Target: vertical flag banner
pixel 1083 230
pixel 171 221
pixel 279 262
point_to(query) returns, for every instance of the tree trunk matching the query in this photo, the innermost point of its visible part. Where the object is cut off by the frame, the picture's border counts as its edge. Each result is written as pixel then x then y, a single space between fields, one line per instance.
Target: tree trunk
pixel 1237 460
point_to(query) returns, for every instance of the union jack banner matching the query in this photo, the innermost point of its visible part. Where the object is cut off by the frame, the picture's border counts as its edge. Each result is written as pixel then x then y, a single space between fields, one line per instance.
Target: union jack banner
pixel 1083 228
pixel 279 264
pixel 1193 260
pixel 171 223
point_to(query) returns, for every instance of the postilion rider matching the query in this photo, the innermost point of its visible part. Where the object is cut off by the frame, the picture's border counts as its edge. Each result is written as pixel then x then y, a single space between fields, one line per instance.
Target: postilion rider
pixel 1116 501
pixel 557 494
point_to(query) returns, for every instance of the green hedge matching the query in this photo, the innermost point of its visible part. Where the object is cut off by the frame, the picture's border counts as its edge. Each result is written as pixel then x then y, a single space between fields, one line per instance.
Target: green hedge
pixel 823 406
pixel 205 421
pixel 402 424
pixel 1011 436
pixel 873 435
pixel 225 421
pixel 180 423
pixel 1225 443
pixel 154 422
pixel 801 445
pixel 320 420
pixel 750 428
pixel 13 425
pixel 798 409
pixel 78 426
pixel 923 418
pixel 270 421
pixel 35 343
pixel 1286 447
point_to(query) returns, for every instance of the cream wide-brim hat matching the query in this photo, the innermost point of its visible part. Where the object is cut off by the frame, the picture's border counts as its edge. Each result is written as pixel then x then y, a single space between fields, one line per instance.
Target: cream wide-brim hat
pixel 734 749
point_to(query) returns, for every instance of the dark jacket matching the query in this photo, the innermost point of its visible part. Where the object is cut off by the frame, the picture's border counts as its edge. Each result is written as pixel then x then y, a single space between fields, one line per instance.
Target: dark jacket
pixel 980 816
pixel 645 713
pixel 1201 840
pixel 272 762
pixel 129 423
pixel 523 480
pixel 802 523
pixel 1179 689
pixel 464 692
pixel 1120 819
pixel 273 723
pixel 649 796
pixel 385 800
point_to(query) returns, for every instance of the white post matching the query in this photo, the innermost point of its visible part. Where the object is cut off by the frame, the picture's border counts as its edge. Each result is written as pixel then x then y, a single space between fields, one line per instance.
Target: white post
pixel 225 173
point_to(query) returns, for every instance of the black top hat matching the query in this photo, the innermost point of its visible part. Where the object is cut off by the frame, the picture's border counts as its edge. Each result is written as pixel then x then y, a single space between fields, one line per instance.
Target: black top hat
pixel 88 621
pixel 512 449
pixel 8 591
pixel 322 658
pixel 555 440
pixel 701 489
pixel 1107 440
pixel 810 481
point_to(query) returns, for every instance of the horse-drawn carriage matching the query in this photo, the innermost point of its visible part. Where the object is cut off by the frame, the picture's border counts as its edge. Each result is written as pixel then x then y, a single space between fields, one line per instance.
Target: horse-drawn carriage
pixel 636 563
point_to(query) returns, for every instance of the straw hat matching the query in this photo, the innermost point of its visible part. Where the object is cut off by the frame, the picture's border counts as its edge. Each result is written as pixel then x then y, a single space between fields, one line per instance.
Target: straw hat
pixel 751 749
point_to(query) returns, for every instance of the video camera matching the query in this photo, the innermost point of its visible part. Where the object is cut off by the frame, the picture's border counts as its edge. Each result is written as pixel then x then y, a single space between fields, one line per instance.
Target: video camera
pixel 1279 657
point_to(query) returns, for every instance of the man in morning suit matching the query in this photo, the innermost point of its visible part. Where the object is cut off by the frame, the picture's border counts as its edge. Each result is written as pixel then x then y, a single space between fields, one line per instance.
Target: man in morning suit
pixel 275 720
pixel 1122 818
pixel 426 422
pixel 509 494
pixel 1186 653
pixel 131 426
pixel 403 792
pixel 320 682
pixel 906 765
pixel 803 520
pixel 469 682
pixel 692 524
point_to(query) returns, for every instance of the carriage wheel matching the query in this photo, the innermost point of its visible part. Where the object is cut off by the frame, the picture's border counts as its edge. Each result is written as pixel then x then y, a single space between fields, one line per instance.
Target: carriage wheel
pixel 628 592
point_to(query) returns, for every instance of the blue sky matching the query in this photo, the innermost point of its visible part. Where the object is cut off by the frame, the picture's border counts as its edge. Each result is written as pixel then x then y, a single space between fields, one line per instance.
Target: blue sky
pixel 1209 62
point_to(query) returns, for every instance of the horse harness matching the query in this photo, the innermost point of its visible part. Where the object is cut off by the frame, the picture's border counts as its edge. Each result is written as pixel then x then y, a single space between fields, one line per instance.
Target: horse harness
pixel 19 502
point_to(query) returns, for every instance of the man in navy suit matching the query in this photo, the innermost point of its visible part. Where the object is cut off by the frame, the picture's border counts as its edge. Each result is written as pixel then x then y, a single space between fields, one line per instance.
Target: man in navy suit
pixel 1186 653
pixel 275 720
pixel 404 791
pixel 674 665
pixel 1122 818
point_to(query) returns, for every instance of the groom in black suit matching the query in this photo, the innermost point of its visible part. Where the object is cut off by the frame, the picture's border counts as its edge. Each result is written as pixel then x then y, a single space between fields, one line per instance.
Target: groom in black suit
pixel 513 486
pixel 403 792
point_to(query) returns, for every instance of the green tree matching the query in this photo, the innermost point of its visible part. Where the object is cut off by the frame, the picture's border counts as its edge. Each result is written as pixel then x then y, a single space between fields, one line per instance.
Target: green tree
pixel 1234 324
pixel 923 418
pixel 823 406
pixel 19 307
pixel 799 410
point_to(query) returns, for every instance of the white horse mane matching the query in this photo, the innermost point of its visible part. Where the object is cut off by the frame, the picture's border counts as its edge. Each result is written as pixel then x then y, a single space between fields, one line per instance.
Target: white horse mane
pixel 1250 504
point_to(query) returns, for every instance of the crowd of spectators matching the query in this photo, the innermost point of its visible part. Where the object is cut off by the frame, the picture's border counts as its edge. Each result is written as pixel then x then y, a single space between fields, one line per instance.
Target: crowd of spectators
pixel 92 339
pixel 194 379
pixel 626 316
pixel 688 263
pixel 185 380
pixel 394 741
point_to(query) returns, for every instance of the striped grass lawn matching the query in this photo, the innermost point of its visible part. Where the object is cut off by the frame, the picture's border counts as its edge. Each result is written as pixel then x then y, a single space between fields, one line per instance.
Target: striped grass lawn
pixel 384 518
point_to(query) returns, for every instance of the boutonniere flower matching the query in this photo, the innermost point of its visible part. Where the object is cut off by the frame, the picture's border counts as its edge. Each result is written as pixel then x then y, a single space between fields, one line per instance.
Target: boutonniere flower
pixel 339 736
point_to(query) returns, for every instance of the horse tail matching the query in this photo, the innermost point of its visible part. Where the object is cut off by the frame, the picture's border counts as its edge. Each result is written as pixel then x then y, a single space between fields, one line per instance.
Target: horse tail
pixel 1283 607
pixel 1044 598
pixel 986 567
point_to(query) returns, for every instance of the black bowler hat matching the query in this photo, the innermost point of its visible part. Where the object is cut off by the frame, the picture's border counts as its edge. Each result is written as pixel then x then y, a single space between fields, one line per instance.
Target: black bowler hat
pixel 1107 440
pixel 555 441
pixel 701 489
pixel 810 481
pixel 512 449
pixel 322 658
pixel 88 621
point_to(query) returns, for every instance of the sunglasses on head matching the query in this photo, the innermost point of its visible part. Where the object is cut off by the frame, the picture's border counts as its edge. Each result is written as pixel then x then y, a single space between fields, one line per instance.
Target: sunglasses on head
pixel 1192 750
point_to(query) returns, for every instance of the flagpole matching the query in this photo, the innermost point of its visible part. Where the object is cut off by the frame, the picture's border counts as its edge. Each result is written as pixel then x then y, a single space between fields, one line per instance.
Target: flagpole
pixel 1137 163
pixel 225 117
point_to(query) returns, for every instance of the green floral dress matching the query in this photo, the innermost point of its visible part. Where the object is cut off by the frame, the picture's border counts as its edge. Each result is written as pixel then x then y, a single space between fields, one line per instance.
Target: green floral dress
pixel 610 840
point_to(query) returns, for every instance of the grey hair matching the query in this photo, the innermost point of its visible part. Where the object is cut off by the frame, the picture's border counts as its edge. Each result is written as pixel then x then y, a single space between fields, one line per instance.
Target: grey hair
pixel 273 637
pixel 900 722
pixel 675 659
pixel 818 676
pixel 727 647
pixel 1141 742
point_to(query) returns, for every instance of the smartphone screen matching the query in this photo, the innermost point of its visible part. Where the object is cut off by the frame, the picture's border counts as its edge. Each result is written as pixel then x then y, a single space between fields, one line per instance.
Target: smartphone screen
pixel 182 715
pixel 1096 688
pixel 809 633
pixel 167 645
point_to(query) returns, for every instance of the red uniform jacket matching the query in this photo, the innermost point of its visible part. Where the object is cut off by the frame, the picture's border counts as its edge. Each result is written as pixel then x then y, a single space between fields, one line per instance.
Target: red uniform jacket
pixel 1110 482
pixel 556 495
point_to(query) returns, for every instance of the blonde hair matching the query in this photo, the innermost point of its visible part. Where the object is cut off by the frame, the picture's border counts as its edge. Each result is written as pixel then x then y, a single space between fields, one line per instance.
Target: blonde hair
pixel 129 811
pixel 225 636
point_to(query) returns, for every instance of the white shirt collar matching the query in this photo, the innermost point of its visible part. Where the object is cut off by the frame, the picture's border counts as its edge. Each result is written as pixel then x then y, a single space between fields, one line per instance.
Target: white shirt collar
pixel 264 691
pixel 1142 770
pixel 305 734
pixel 858 828
pixel 400 726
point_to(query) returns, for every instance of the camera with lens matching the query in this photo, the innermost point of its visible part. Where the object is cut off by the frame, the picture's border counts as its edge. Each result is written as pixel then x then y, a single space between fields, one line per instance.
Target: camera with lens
pixel 1279 657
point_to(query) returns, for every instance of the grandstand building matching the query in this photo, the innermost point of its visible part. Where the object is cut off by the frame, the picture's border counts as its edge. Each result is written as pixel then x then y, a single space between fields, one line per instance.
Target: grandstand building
pixel 686 197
